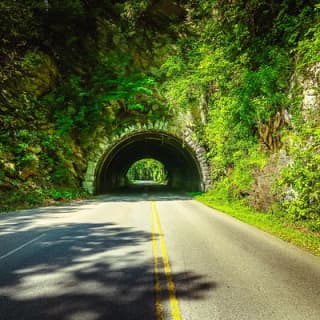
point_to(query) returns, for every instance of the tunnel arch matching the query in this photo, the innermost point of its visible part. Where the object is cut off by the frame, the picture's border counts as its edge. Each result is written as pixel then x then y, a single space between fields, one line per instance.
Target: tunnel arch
pixel 184 160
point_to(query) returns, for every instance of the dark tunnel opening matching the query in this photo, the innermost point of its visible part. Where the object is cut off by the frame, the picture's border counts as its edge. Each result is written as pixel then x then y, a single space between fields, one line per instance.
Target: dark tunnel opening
pixel 184 173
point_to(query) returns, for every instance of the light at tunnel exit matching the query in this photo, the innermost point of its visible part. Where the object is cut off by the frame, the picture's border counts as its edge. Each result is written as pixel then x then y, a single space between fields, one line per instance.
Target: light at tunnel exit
pixel 147 171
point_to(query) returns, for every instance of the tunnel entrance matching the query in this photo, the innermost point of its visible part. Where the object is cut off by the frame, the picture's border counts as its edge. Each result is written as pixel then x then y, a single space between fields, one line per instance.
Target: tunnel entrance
pixel 180 161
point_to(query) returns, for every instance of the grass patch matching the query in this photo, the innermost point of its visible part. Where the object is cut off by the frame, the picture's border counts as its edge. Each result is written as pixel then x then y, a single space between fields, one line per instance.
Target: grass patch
pixel 295 233
pixel 18 200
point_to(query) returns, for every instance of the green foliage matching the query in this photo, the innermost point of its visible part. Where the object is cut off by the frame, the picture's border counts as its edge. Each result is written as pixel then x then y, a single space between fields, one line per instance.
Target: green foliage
pixel 301 179
pixel 80 105
pixel 147 169
pixel 128 90
pixel 308 50
pixel 233 176
pixel 38 157
pixel 263 92
pixel 30 198
pixel 20 23
pixel 233 74
pixel 235 86
pixel 59 175
pixel 58 195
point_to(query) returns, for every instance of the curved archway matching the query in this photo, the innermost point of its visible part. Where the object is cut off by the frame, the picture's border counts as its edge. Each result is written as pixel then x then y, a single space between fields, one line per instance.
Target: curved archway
pixel 185 172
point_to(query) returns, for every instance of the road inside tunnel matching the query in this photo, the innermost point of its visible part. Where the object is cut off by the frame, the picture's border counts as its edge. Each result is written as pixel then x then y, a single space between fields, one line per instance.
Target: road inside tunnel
pixel 180 161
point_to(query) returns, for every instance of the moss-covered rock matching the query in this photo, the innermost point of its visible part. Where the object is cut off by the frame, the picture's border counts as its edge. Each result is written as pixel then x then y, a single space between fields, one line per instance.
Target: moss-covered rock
pixel 39 73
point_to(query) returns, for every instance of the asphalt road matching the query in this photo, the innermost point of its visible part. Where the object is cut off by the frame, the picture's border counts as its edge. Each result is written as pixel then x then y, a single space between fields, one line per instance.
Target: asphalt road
pixel 149 257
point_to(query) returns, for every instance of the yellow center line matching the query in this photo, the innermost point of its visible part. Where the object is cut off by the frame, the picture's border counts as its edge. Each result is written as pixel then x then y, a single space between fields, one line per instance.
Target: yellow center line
pixel 157 284
pixel 175 311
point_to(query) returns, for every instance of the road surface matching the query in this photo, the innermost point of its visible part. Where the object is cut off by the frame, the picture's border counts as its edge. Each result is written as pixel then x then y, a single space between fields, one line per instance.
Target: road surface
pixel 153 257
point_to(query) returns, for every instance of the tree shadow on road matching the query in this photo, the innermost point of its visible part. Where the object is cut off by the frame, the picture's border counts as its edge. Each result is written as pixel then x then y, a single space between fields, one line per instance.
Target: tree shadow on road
pixel 87 271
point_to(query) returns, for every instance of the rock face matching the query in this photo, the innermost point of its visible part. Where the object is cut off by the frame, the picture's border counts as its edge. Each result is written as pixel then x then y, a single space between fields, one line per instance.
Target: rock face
pixel 311 96
pixel 263 193
pixel 32 155
pixel 42 73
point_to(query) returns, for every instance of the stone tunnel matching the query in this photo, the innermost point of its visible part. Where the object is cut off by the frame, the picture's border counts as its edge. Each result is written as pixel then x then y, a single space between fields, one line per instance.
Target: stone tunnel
pixel 183 160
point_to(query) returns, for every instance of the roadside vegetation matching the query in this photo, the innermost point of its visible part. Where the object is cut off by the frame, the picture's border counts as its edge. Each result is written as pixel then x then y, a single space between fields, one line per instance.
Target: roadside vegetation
pixel 294 232
pixel 36 198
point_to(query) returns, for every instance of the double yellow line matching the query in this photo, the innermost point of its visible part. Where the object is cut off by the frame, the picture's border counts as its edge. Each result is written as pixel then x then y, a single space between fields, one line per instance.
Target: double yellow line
pixel 157 234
